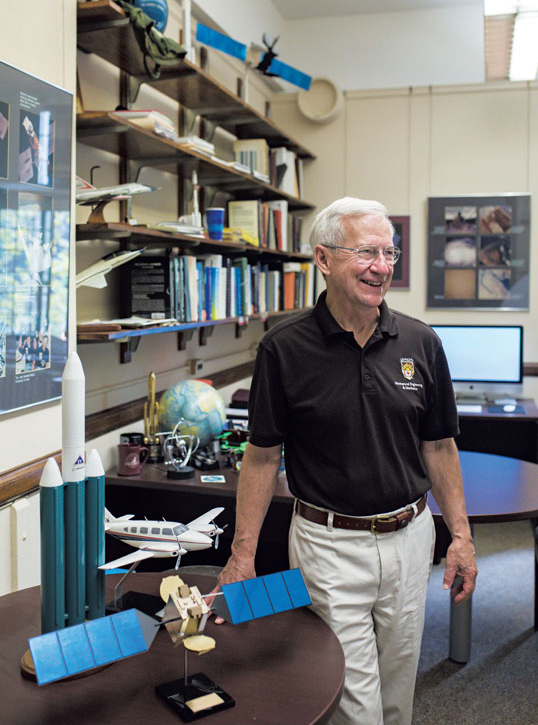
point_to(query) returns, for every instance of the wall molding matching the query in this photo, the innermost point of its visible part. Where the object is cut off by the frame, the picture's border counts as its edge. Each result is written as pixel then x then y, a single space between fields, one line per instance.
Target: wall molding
pixel 23 480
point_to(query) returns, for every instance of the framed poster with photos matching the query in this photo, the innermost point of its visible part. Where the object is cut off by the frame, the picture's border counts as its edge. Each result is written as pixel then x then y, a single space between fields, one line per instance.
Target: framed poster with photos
pixel 478 252
pixel 400 274
pixel 35 202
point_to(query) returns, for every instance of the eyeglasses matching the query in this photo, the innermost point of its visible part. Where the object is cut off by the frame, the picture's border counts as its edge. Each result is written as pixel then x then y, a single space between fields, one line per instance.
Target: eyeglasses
pixel 367 253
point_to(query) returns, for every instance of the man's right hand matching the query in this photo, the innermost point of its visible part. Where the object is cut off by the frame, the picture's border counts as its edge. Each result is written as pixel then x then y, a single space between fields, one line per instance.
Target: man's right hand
pixel 234 571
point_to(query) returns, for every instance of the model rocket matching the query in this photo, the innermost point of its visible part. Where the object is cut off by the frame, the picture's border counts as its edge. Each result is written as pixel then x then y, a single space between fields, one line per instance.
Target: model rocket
pixel 72 518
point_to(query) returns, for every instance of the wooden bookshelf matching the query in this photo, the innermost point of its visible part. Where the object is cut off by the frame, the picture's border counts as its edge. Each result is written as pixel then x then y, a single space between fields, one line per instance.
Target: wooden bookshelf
pixel 104 29
pixel 129 338
pixel 141 235
pixel 107 131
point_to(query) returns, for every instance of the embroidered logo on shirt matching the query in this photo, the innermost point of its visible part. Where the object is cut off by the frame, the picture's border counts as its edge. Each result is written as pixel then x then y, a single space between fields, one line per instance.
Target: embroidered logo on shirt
pixel 408 367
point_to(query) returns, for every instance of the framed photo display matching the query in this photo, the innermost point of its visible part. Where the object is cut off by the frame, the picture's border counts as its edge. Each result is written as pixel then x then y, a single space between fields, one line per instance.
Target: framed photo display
pixel 478 252
pixel 35 201
pixel 400 275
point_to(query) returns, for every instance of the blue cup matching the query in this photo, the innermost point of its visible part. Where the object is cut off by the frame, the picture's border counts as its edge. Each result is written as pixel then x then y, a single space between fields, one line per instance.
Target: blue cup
pixel 215 222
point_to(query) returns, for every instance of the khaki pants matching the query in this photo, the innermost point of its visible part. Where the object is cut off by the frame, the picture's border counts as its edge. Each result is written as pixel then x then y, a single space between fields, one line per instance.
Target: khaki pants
pixel 371 590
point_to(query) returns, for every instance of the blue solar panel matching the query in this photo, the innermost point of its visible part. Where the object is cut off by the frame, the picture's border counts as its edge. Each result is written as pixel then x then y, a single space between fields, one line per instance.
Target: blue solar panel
pixel 128 633
pixel 48 659
pixel 76 649
pixel 292 75
pixel 237 602
pixel 258 598
pixel 278 594
pixel 85 646
pixel 103 641
pixel 221 42
pixel 296 588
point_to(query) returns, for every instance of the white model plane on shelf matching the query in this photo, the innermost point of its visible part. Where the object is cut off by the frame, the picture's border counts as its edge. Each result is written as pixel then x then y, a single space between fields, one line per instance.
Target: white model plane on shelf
pixel 162 538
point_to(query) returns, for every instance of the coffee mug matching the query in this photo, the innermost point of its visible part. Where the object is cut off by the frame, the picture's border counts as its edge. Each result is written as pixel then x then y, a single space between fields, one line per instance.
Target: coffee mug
pixel 132 439
pixel 215 222
pixel 131 459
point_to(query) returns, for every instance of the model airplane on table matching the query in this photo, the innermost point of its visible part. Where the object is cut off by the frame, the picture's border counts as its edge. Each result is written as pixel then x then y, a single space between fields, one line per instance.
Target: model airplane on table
pixel 263 60
pixel 163 538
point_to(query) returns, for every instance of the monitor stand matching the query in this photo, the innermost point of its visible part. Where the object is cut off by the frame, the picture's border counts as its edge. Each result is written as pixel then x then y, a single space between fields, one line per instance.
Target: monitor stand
pixel 475 398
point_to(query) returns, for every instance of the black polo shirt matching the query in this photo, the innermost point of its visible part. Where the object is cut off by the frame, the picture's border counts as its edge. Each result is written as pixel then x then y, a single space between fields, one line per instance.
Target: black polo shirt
pixel 351 418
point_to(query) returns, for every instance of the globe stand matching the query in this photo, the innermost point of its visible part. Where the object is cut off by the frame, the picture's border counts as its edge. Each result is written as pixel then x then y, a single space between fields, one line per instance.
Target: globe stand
pixel 179 474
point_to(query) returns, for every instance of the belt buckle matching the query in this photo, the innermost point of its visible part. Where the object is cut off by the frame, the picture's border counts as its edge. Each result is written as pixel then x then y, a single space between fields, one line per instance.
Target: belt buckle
pixel 385 519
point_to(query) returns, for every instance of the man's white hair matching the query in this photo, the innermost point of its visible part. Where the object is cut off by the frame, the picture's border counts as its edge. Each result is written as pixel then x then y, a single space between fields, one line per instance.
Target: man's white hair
pixel 327 228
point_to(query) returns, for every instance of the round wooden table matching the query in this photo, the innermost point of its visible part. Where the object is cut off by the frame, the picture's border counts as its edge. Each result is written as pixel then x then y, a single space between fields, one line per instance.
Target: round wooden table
pixel 287 669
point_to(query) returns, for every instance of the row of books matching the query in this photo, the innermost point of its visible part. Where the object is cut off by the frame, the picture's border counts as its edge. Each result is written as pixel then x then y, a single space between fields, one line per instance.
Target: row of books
pixel 280 166
pixel 267 222
pixel 214 287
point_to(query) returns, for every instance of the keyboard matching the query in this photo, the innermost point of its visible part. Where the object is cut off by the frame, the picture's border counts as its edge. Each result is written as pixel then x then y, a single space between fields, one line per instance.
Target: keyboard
pixel 469 408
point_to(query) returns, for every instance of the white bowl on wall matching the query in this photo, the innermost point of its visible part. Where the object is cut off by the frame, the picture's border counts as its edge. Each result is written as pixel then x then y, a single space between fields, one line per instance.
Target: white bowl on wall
pixel 322 103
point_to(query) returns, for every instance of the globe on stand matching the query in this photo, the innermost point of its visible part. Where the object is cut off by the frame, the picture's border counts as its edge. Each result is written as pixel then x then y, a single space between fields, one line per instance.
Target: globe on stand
pixel 200 406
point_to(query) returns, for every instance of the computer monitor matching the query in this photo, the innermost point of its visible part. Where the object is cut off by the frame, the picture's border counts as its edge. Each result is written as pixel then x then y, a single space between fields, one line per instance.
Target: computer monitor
pixel 485 361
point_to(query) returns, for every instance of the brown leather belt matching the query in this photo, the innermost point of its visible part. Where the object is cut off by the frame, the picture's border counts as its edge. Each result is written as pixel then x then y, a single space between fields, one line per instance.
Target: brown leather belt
pixel 376 524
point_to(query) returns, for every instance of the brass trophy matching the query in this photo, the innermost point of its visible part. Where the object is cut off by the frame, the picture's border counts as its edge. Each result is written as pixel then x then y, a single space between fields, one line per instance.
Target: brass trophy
pixel 151 423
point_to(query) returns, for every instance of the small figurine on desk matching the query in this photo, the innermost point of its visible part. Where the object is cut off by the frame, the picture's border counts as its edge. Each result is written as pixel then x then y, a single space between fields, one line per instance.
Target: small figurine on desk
pixel 233 444
pixel 178 448
pixel 151 422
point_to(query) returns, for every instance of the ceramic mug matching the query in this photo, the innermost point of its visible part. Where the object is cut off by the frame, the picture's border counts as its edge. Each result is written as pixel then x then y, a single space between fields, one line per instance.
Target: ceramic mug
pixel 131 459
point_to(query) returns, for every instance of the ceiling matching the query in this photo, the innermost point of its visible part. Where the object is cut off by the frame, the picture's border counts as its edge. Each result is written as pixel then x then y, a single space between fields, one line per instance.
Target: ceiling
pixel 498 30
pixel 302 9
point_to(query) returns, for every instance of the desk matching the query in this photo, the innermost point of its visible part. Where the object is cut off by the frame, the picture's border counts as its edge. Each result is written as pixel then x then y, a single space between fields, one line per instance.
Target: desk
pixel 285 669
pixel 497 488
pixel 504 434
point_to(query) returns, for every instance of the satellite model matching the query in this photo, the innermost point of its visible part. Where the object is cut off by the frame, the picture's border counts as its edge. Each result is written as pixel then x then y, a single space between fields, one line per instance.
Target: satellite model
pixel 90 645
pixel 262 59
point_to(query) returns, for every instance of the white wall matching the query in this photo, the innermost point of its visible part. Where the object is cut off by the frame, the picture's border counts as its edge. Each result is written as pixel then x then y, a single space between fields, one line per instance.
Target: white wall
pixel 403 145
pixel 243 20
pixel 39 38
pixel 373 50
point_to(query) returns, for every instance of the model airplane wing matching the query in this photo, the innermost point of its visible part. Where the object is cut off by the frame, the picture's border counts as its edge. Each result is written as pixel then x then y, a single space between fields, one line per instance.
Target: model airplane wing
pixel 94 275
pixel 164 547
pixel 107 193
pixel 266 62
pixel 205 518
pixel 128 559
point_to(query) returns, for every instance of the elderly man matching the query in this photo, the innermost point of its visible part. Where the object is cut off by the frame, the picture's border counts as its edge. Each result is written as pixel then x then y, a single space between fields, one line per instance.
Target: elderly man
pixel 361 398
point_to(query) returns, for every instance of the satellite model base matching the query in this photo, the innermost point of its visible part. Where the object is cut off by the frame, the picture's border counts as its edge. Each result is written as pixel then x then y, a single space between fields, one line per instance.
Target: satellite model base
pixel 180 473
pixel 195 698
pixel 147 603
